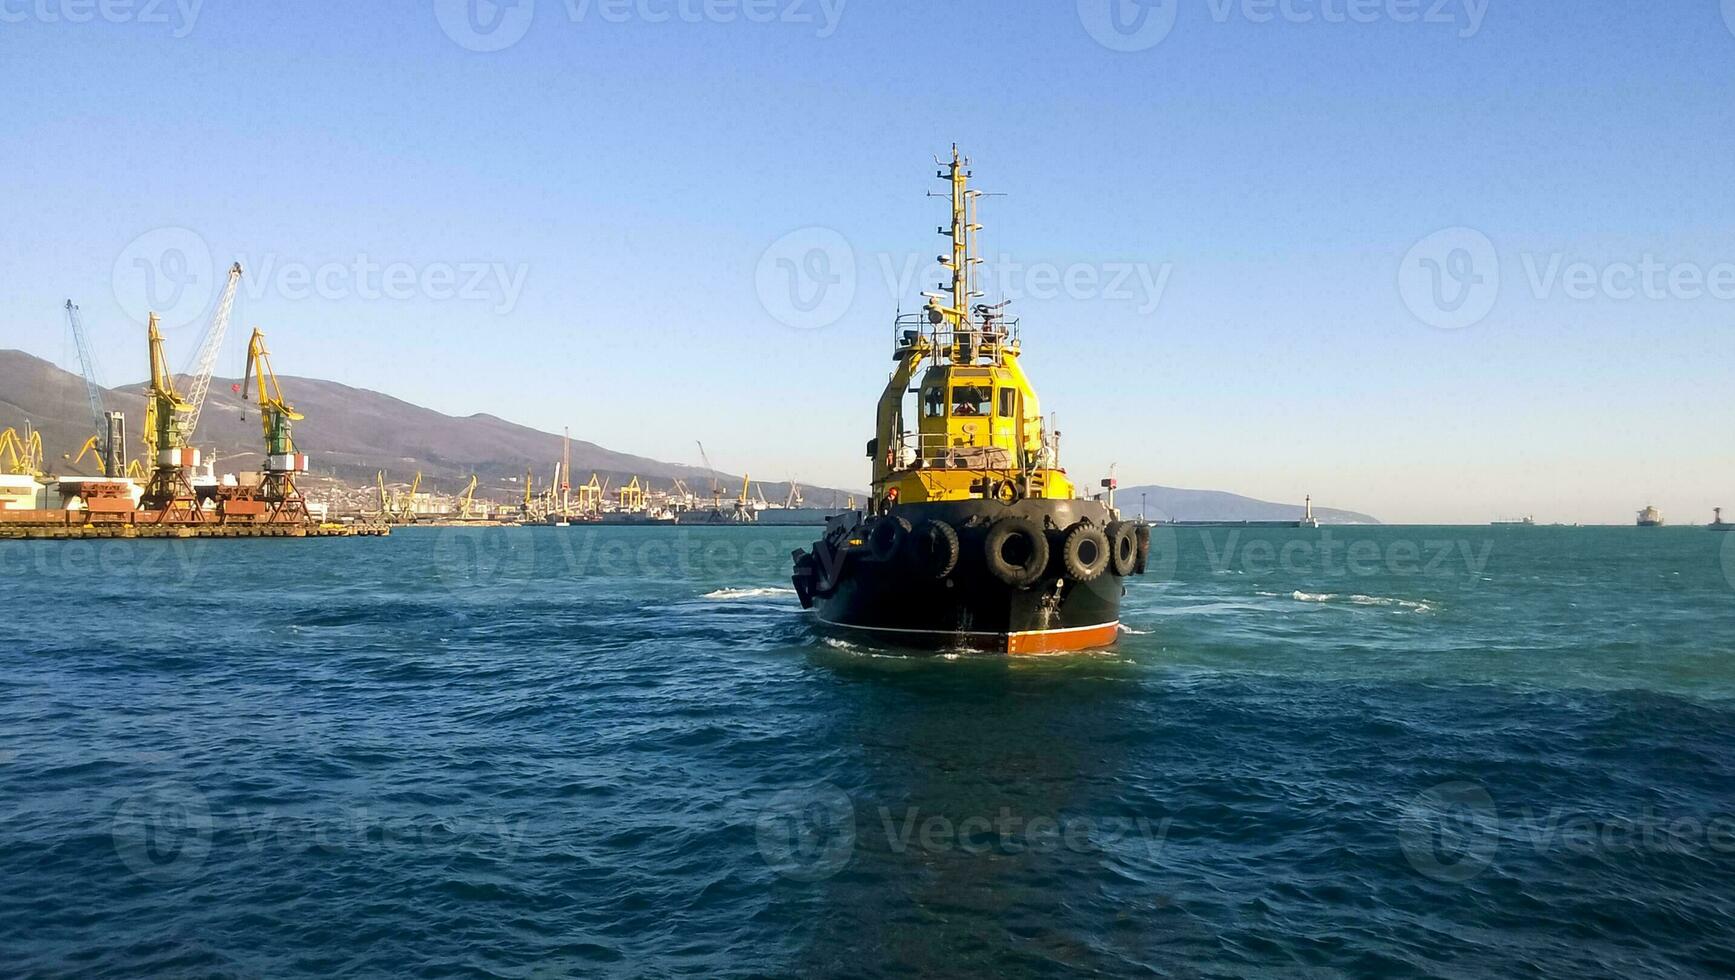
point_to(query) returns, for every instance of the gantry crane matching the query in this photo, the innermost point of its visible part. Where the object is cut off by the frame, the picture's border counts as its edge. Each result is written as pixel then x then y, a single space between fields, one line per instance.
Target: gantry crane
pixel 205 363
pixel 168 416
pixel 110 438
pixel 21 455
pixel 277 488
pixel 468 497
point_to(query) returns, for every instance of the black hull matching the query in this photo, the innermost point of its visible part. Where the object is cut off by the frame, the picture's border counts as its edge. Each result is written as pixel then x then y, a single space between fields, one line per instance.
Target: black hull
pixel 896 600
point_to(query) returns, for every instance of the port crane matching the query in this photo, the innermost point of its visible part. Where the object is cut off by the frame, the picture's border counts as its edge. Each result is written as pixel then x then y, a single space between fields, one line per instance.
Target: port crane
pixel 283 500
pixel 204 364
pixel 168 416
pixel 716 490
pixel 109 442
pixel 21 455
pixel 467 499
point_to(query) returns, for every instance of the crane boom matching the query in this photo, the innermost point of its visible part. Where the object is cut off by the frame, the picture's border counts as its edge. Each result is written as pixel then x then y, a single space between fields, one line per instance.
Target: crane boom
pixel 87 362
pixel 205 364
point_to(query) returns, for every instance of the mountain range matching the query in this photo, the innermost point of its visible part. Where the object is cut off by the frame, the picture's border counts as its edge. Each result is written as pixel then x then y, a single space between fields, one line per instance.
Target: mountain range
pixel 354 433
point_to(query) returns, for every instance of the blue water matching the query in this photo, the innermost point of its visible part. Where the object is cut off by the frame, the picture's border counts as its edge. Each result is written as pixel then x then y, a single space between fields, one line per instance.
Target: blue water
pixel 550 752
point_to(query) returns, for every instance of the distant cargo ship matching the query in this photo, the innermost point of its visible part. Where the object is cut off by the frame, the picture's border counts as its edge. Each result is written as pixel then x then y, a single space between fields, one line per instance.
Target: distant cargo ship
pixel 1515 522
pixel 1650 517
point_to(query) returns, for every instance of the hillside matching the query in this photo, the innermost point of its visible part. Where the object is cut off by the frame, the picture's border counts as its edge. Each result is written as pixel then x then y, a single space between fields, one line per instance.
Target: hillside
pixel 350 433
pixel 353 433
pixel 1170 503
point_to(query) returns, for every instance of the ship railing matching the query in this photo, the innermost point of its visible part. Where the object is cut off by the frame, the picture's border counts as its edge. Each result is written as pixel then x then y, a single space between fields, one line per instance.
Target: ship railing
pixel 983 338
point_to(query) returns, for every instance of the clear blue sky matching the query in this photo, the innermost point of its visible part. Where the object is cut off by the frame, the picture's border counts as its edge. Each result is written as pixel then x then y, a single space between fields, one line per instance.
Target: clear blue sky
pixel 635 170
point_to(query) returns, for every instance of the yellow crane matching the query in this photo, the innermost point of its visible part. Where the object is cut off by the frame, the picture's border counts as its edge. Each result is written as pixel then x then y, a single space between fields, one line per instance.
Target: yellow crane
pixel 21 455
pixel 276 418
pixel 529 491
pixel 407 511
pixel 468 498
pixel 168 420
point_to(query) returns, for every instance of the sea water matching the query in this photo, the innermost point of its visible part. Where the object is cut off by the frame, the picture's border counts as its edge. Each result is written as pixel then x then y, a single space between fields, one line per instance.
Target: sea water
pixel 624 751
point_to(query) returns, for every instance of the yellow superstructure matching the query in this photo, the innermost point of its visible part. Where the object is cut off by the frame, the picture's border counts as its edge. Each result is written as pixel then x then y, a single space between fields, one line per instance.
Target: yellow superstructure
pixel 979 431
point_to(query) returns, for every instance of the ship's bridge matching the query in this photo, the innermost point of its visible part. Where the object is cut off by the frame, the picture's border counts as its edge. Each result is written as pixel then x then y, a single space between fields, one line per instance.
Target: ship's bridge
pixel 978 422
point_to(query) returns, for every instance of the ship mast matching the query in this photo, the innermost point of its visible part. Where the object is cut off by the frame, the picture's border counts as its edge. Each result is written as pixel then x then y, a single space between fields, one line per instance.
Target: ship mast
pixel 962 234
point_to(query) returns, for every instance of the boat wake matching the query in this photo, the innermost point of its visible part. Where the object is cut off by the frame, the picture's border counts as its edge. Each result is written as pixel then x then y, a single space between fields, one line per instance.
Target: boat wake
pixel 761 593
pixel 1408 605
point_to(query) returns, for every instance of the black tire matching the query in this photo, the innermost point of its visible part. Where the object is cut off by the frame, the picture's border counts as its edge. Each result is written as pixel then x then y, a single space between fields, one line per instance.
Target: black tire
pixel 1123 548
pixel 887 538
pixel 1084 553
pixel 1144 532
pixel 936 546
pixel 1017 552
pixel 827 564
pixel 803 578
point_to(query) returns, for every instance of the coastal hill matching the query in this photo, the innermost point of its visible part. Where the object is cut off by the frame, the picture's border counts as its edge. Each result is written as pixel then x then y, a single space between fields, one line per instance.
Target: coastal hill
pixel 1173 504
pixel 354 433
pixel 350 433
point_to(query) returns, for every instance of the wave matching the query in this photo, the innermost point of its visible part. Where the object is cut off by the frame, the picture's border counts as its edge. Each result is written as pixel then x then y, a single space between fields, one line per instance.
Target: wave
pixel 1358 599
pixel 760 593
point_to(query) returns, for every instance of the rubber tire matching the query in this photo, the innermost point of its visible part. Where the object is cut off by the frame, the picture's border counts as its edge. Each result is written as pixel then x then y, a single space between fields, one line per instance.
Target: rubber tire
pixel 824 582
pixel 887 538
pixel 1144 533
pixel 993 548
pixel 936 547
pixel 1081 539
pixel 1123 548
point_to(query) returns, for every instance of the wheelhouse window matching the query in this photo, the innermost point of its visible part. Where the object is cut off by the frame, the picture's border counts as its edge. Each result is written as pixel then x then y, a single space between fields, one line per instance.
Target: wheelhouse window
pixel 1008 402
pixel 972 400
pixel 933 402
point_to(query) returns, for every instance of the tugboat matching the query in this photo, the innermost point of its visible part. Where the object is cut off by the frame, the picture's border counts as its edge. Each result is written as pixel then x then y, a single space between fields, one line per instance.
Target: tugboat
pixel 975 536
